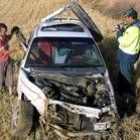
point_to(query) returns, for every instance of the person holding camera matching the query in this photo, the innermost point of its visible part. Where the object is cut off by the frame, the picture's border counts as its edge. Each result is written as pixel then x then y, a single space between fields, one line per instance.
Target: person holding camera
pixel 6 69
pixel 129 47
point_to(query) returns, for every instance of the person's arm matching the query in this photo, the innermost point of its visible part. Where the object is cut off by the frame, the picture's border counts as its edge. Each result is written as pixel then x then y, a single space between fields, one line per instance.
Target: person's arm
pixel 2 50
pixel 119 28
pixel 8 38
pixel 129 36
pixel 10 35
pixel 5 51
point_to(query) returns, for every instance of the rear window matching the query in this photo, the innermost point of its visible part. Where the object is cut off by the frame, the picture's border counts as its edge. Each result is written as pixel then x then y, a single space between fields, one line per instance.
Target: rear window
pixel 63 27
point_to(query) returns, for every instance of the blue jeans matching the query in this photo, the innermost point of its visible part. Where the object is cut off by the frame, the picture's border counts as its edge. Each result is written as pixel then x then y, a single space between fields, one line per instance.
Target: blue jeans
pixel 126 64
pixel 126 70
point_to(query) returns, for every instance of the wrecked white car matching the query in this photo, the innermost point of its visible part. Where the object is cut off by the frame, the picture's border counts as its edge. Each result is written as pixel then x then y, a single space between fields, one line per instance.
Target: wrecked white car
pixel 64 78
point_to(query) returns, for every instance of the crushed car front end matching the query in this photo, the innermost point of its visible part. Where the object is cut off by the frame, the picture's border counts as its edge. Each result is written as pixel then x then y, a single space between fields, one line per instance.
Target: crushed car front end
pixel 69 85
pixel 85 107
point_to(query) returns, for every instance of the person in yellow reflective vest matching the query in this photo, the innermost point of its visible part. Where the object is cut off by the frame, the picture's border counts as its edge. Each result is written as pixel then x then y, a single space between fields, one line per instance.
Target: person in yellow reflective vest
pixel 129 47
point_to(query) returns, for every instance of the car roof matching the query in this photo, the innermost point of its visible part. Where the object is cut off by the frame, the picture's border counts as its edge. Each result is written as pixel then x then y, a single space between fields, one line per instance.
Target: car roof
pixel 62 28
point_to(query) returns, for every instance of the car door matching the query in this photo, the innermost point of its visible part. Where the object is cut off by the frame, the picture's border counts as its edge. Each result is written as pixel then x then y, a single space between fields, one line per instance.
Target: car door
pixel 86 20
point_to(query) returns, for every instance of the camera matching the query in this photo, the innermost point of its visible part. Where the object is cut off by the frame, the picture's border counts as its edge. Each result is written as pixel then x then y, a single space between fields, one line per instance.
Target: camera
pixel 119 27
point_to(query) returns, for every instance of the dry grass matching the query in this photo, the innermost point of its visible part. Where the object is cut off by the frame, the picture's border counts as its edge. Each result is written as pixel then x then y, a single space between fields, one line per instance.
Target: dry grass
pixel 27 14
pixel 5 117
pixel 114 8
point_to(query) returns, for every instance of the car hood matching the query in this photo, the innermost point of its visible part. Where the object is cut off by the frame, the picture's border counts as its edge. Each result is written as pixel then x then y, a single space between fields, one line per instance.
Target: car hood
pixel 91 90
pixel 70 76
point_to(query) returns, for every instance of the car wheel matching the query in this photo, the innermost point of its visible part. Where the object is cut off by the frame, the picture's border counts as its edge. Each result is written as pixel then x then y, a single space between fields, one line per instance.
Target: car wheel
pixel 22 119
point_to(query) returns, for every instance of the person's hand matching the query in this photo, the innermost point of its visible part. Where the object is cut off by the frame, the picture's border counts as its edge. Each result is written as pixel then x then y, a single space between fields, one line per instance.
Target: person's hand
pixel 15 29
pixel 119 27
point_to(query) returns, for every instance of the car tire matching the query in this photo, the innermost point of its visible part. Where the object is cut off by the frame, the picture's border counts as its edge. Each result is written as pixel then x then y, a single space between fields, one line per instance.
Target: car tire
pixel 22 119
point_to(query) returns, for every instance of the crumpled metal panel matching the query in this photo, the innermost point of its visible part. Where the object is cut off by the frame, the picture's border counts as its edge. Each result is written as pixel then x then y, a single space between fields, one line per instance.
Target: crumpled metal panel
pixel 87 111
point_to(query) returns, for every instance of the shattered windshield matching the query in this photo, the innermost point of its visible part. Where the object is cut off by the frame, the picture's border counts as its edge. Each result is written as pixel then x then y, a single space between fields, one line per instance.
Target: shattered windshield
pixel 78 52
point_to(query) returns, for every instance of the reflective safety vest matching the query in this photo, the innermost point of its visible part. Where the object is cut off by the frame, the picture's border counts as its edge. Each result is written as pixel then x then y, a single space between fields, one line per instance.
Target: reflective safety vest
pixel 130 41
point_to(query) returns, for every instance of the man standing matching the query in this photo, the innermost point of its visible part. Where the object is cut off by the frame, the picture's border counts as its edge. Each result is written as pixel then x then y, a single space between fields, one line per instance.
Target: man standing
pixel 6 70
pixel 129 47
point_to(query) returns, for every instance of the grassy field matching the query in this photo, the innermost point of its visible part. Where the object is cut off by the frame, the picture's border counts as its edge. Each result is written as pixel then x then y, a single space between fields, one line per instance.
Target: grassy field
pixel 27 14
